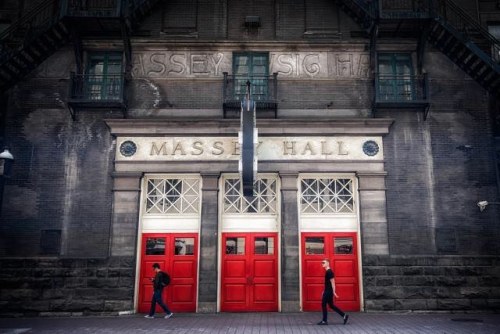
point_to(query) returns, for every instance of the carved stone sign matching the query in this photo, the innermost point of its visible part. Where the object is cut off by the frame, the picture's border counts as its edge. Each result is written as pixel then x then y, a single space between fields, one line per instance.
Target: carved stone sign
pixel 302 65
pixel 228 148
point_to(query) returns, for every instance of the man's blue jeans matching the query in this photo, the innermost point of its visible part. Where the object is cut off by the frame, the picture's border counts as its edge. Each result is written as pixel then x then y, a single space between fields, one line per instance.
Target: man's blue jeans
pixel 157 299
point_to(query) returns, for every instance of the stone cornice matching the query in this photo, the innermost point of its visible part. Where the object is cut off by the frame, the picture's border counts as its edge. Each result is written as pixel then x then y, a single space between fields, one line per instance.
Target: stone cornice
pixel 267 127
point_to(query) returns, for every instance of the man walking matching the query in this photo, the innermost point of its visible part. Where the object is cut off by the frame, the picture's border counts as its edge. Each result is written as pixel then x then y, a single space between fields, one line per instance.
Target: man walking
pixel 160 281
pixel 329 293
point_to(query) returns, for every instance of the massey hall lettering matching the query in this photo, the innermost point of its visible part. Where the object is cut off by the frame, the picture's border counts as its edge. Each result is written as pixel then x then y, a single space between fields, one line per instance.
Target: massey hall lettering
pixel 269 150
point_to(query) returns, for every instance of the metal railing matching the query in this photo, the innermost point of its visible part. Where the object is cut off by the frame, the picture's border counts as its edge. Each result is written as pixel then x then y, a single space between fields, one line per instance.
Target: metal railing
pixel 92 8
pixel 401 89
pixel 46 13
pixel 446 12
pixel 263 88
pixel 97 88
pixel 404 9
pixel 29 26
pixel 449 13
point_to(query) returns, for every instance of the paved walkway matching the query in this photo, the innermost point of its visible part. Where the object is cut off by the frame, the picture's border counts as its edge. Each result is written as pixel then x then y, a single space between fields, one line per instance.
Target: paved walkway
pixel 253 323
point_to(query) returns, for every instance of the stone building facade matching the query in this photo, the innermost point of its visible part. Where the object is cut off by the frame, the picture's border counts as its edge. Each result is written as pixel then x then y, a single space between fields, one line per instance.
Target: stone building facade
pixel 376 139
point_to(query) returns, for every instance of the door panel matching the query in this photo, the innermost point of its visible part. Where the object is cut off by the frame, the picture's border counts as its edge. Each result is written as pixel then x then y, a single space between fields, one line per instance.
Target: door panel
pixel 249 272
pixel 341 249
pixel 177 254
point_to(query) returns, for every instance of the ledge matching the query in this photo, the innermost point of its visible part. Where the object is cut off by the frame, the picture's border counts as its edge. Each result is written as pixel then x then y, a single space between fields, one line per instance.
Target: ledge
pixel 267 127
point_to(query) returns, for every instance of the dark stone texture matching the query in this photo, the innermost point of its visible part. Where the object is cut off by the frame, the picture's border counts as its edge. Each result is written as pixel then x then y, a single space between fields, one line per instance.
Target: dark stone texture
pixel 425 283
pixel 93 286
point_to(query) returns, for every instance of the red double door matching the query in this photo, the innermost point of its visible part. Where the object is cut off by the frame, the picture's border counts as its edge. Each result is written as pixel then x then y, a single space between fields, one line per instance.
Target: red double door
pixel 249 277
pixel 341 250
pixel 177 254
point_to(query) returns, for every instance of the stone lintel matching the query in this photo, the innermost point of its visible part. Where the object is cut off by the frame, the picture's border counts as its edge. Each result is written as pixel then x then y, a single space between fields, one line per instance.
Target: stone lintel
pixel 371 181
pixel 289 181
pixel 210 181
pixel 127 181
pixel 269 127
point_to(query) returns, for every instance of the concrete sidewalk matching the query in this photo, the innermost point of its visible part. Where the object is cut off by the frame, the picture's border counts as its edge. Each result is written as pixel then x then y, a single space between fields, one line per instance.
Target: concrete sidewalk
pixel 251 323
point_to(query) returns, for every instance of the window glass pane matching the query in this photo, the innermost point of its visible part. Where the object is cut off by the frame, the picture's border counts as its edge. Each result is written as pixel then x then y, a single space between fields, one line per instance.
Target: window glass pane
pixel 173 196
pixel 96 65
pixel 315 245
pixel 235 246
pixel 184 246
pixel 328 196
pixel 395 64
pixel 264 245
pixel 265 200
pixel 114 67
pixel 494 30
pixel 253 67
pixel 343 245
pixel 495 49
pixel 155 246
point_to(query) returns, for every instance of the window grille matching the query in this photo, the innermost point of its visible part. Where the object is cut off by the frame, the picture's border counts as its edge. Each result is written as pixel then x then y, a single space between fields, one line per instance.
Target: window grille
pixel 173 196
pixel 322 195
pixel 264 201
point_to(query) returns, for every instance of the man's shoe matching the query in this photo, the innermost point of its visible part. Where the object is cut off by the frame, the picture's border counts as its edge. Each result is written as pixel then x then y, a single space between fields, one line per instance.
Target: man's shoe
pixel 169 315
pixel 322 323
pixel 149 316
pixel 346 317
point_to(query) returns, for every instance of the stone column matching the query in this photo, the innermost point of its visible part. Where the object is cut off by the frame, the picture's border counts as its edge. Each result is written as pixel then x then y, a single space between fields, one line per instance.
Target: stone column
pixel 290 286
pixel 373 213
pixel 125 217
pixel 207 299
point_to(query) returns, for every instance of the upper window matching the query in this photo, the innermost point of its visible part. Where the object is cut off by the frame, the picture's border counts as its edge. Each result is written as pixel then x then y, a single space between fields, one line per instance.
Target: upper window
pixel 395 77
pixel 494 30
pixel 180 16
pixel 104 76
pixel 253 67
pixel 321 19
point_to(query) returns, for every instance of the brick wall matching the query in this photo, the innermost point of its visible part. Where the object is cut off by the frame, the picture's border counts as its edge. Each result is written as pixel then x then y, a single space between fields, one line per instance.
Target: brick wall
pixel 60 187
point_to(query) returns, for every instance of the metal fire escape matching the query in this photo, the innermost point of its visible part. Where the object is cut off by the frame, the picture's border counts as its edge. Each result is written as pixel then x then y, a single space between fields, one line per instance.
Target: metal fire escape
pixel 440 22
pixel 53 23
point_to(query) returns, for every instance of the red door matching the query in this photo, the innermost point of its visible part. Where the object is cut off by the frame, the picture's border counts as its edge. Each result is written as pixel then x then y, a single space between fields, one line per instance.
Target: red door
pixel 176 254
pixel 341 249
pixel 249 272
